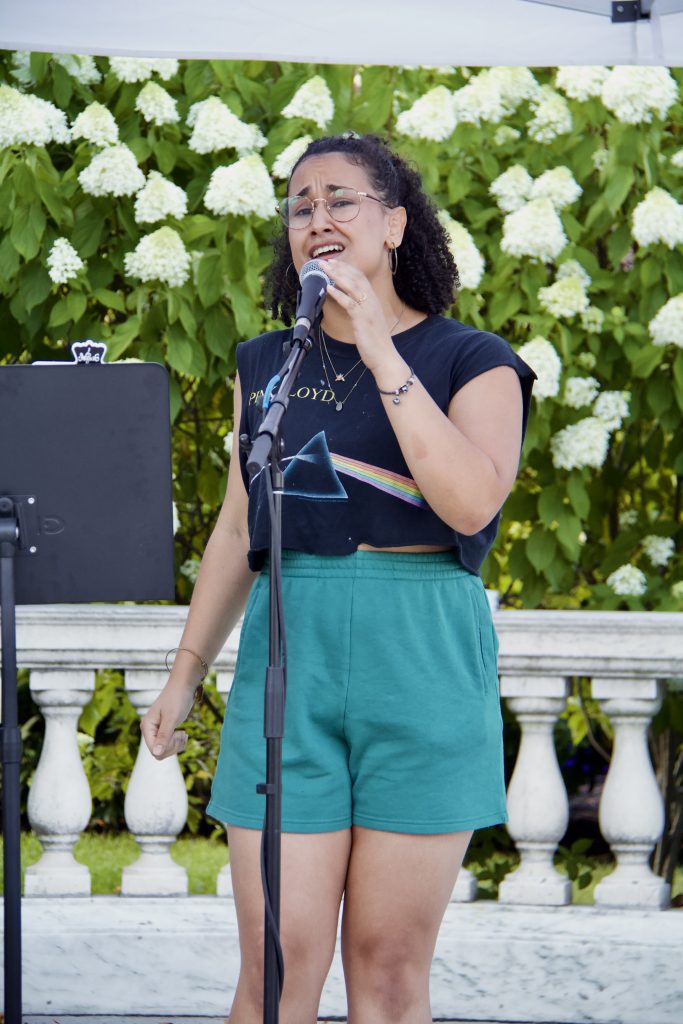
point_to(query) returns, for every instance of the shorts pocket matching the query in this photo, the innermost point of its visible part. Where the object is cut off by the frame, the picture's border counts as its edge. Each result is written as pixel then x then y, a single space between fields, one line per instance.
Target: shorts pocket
pixel 252 601
pixel 486 639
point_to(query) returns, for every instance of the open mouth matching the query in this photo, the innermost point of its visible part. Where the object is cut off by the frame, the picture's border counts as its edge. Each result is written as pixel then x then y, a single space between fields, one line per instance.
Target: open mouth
pixel 326 252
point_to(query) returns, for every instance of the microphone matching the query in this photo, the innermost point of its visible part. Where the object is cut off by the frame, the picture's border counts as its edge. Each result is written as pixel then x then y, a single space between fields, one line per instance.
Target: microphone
pixel 314 281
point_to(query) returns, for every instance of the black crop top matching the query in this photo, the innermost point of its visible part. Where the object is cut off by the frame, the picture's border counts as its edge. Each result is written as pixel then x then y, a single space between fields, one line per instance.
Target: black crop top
pixel 346 481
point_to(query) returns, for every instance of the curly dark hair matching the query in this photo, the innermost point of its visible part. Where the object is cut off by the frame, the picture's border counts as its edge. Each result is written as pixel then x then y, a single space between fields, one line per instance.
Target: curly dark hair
pixel 427 276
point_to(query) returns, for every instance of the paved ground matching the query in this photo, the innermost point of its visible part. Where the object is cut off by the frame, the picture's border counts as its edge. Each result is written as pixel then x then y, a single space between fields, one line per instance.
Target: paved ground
pixel 61 1019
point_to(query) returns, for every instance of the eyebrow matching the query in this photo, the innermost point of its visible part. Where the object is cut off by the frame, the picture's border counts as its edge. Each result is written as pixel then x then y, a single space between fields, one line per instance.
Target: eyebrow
pixel 330 188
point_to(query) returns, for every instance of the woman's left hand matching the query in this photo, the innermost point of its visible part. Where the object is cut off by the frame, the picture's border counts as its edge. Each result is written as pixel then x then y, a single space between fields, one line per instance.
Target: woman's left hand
pixel 355 295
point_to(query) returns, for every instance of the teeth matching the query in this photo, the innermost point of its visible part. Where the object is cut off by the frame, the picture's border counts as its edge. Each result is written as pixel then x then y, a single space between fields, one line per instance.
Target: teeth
pixel 326 248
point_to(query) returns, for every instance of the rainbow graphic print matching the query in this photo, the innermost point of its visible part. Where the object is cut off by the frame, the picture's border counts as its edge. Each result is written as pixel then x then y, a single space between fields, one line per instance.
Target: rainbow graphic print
pixel 313 473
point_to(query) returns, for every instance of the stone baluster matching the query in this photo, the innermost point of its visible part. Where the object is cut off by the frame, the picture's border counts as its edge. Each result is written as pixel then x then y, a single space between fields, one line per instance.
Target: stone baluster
pixel 155 806
pixel 631 811
pixel 538 808
pixel 59 802
pixel 224 679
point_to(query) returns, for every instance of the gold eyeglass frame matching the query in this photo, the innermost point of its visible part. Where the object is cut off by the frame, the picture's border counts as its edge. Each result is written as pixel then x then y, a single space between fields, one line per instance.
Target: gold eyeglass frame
pixel 322 199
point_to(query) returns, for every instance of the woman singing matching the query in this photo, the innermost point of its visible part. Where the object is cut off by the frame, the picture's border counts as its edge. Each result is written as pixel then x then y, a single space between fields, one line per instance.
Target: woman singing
pixel 402 441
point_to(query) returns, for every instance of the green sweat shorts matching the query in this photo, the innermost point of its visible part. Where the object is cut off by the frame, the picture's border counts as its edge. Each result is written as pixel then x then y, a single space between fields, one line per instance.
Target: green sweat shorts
pixel 392 716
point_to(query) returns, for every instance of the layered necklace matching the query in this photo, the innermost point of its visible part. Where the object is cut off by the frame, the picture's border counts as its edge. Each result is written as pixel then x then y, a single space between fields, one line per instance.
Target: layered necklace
pixel 337 375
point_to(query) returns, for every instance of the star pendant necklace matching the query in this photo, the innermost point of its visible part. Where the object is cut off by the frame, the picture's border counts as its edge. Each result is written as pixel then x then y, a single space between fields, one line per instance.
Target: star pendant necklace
pixel 339 403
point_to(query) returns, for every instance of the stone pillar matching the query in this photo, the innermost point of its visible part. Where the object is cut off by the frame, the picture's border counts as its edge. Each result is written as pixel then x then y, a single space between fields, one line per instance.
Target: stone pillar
pixel 155 806
pixel 538 808
pixel 631 807
pixel 224 679
pixel 59 802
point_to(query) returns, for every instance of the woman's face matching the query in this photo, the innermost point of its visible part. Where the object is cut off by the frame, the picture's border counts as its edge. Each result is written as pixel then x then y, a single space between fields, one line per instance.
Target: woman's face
pixel 362 242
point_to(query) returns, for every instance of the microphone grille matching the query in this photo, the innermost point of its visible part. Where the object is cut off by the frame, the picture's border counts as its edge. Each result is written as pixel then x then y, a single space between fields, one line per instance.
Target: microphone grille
pixel 314 267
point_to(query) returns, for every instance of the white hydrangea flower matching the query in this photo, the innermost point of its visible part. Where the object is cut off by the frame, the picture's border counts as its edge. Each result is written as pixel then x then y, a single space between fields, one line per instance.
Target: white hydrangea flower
pixel 113 171
pixel 63 261
pixel 611 407
pixel 139 69
pixel 677 158
pixel 666 328
pixel 284 162
pixel 156 104
pixel 227 443
pixel 312 101
pixel 176 518
pixel 158 199
pixel 580 83
pixel 658 218
pixel 534 230
pixel 628 518
pixel 21 67
pixel 512 188
pixel 190 569
pixel 592 320
pixel 677 590
pixel 96 124
pixel 552 116
pixel 628 581
pixel 658 549
pixel 432 116
pixel 634 93
pixel 580 391
pixel 586 360
pixel 160 256
pixel 494 93
pixel 505 134
pixel 565 298
pixel 600 157
pixel 82 67
pixel 241 188
pixel 558 185
pixel 581 444
pixel 543 359
pixel 572 268
pixel 27 120
pixel 468 259
pixel 215 127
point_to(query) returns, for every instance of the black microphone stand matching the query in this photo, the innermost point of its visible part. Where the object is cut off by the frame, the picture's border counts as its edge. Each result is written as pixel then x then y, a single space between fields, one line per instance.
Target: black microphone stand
pixel 265 456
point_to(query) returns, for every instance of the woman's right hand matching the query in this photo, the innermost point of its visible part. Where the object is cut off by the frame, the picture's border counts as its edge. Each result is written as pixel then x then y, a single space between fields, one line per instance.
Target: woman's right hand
pixel 159 724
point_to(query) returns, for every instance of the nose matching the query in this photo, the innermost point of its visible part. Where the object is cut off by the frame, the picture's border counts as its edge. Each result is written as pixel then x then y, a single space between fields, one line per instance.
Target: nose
pixel 319 204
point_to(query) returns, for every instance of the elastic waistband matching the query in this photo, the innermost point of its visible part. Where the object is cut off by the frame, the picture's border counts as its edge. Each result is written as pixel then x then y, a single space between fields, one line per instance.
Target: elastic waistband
pixel 387 564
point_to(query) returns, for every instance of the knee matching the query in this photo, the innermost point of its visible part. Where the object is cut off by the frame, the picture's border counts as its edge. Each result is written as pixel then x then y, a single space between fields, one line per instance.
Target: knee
pixel 388 972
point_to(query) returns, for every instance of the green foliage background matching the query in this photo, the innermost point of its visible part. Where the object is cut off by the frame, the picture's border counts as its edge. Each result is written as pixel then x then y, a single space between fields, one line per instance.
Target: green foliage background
pixel 560 535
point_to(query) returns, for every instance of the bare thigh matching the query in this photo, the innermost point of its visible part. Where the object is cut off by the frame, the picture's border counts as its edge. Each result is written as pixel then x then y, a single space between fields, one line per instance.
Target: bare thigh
pixel 313 875
pixel 397 890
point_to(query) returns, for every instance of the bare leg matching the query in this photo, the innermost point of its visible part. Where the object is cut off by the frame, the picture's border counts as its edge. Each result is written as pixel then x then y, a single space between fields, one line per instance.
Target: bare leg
pixel 313 873
pixel 397 890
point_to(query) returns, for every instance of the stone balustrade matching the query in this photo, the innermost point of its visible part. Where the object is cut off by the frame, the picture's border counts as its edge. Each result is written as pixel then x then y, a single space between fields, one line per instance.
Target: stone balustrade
pixel 629 658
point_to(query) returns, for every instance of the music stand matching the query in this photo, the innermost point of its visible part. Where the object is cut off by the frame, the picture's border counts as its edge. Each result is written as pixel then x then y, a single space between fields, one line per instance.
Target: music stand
pixel 85 515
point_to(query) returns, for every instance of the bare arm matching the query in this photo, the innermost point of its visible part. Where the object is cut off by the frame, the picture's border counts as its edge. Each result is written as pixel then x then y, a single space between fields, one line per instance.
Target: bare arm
pixel 219 596
pixel 464 463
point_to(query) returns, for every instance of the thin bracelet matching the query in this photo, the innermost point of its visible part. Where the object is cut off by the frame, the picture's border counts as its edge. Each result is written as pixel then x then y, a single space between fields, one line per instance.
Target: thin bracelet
pixel 404 388
pixel 199 690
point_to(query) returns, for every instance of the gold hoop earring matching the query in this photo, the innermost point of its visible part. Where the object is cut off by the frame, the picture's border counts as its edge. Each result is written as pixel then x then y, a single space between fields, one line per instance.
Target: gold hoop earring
pixel 393 259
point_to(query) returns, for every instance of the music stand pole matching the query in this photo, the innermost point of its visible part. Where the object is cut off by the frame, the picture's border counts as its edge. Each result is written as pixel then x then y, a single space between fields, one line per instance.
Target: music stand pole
pixel 10 741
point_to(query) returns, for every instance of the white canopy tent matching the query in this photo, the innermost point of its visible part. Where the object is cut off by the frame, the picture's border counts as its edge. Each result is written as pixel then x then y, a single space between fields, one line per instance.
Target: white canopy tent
pixel 413 32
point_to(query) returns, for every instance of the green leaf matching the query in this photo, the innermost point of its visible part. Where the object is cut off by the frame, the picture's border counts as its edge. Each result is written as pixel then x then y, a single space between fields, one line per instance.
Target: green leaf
pixel 27 229
pixel 9 259
pixel 210 278
pixel 540 548
pixel 122 337
pixel 216 324
pixel 35 285
pixel 166 154
pixel 550 504
pixel 503 307
pixel 197 226
pixel 22 179
pixel 578 495
pixel 660 394
pixel 62 85
pixel 110 299
pixel 568 529
pixel 647 360
pixel 618 187
pixel 69 308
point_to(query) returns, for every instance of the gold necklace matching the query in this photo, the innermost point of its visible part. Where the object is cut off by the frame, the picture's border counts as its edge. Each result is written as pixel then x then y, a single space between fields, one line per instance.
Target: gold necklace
pixel 339 403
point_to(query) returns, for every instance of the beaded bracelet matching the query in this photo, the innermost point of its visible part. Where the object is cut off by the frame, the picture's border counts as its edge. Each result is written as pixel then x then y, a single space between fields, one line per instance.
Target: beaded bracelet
pixel 397 392
pixel 199 691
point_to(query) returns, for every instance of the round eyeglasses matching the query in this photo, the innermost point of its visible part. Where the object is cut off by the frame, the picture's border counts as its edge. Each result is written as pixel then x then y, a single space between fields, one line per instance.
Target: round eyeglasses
pixel 342 204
